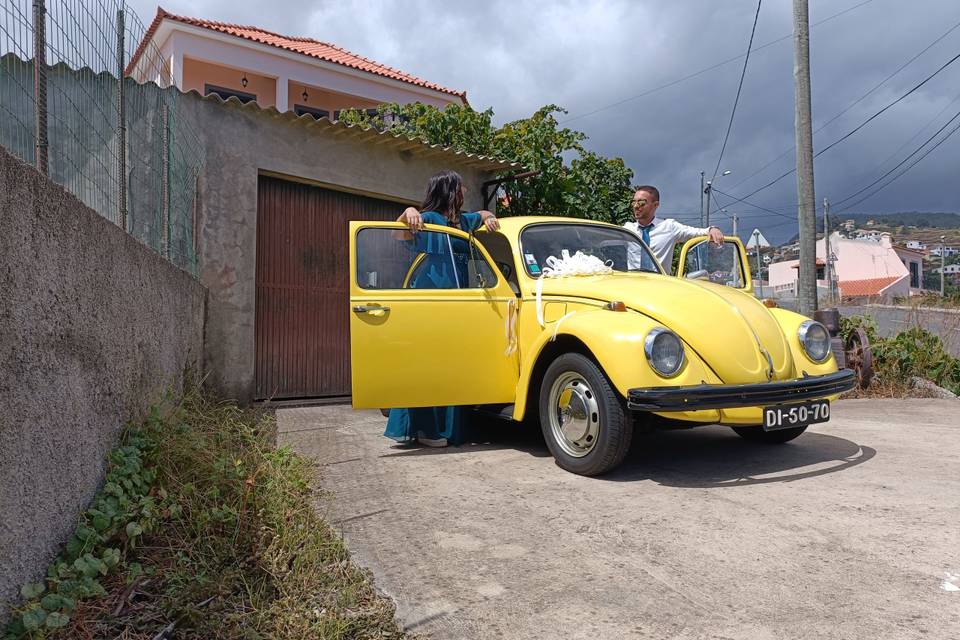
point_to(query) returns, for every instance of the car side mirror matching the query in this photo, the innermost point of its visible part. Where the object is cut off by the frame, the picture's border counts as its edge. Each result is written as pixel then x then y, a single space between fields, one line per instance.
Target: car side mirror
pixel 699 273
pixel 505 269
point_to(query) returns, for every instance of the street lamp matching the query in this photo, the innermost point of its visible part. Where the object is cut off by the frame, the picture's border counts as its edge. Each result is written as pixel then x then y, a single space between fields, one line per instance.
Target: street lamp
pixel 706 189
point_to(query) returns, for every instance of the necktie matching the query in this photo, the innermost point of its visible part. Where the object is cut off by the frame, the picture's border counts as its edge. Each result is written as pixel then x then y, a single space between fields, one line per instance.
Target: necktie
pixel 645 233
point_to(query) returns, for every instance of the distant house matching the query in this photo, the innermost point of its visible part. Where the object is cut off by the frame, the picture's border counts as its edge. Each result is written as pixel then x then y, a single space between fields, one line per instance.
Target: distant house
pixel 862 269
pixel 912 259
pixel 915 244
pixel 948 252
pixel 289 73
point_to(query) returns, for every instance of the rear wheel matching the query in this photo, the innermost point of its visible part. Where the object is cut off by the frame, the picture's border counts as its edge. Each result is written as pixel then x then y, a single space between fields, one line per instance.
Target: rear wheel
pixel 584 421
pixel 757 434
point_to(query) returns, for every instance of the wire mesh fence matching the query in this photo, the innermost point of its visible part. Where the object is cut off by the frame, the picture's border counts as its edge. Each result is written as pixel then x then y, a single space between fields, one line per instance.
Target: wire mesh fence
pixel 86 99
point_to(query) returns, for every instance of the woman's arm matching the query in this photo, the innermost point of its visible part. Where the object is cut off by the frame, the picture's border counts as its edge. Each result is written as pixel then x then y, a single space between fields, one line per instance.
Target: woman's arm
pixel 412 218
pixel 489 220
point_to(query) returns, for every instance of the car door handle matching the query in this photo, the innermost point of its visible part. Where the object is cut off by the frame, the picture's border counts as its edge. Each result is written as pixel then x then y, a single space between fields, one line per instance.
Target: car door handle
pixel 372 310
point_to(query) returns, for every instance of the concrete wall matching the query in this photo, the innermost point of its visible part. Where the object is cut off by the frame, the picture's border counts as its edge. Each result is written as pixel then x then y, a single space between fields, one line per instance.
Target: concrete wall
pixel 93 327
pixel 243 141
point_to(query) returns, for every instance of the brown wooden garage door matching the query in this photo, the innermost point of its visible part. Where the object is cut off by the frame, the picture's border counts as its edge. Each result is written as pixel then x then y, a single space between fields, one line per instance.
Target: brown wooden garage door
pixel 302 323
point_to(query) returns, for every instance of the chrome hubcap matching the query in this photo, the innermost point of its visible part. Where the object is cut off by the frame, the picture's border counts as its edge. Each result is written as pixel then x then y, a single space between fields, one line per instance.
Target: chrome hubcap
pixel 574 415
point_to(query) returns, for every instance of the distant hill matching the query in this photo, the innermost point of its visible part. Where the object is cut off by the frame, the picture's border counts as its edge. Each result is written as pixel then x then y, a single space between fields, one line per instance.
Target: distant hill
pixel 919 219
pixel 910 225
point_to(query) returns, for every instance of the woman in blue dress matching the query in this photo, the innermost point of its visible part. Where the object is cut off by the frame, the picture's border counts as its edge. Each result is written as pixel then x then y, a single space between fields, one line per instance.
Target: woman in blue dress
pixel 444 267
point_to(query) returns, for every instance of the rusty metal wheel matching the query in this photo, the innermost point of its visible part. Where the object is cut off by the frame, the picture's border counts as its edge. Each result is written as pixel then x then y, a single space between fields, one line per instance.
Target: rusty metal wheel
pixel 859 357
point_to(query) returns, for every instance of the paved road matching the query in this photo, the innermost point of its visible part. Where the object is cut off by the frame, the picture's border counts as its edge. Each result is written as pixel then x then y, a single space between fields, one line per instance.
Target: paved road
pixel 851 531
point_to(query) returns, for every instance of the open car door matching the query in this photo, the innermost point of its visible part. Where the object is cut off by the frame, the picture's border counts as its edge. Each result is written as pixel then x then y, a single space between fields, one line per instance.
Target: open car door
pixel 428 319
pixel 700 259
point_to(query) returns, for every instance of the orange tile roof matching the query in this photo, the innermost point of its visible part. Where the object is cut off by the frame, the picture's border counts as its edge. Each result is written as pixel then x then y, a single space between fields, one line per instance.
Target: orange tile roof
pixel 305 46
pixel 868 287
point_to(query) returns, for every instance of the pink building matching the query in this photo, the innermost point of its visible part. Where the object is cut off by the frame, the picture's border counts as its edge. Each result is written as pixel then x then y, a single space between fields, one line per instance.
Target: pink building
pixel 862 269
pixel 289 73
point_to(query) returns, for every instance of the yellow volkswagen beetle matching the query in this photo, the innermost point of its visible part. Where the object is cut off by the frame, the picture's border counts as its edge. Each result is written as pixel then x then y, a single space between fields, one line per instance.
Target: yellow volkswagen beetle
pixel 514 329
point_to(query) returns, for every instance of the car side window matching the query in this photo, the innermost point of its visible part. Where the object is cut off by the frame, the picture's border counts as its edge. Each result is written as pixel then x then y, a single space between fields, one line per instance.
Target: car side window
pixel 718 264
pixel 431 260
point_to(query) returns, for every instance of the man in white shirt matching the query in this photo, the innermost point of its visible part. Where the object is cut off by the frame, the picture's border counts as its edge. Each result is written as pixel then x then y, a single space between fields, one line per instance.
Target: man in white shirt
pixel 660 235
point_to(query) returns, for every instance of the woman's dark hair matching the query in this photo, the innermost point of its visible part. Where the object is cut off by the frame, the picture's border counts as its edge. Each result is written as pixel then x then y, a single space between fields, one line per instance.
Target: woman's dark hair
pixel 444 195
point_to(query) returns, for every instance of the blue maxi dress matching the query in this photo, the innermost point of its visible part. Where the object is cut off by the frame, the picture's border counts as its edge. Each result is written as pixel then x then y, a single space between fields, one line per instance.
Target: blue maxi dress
pixel 438 272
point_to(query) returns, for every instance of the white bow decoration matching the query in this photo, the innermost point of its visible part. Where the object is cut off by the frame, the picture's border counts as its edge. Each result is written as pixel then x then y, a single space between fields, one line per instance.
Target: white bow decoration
pixel 566 266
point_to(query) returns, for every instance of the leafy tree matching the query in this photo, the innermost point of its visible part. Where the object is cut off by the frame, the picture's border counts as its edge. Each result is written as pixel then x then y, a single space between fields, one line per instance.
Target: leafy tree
pixel 573 181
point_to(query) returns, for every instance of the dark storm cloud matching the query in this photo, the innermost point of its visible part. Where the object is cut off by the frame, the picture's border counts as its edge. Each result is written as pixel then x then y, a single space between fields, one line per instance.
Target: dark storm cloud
pixel 518 56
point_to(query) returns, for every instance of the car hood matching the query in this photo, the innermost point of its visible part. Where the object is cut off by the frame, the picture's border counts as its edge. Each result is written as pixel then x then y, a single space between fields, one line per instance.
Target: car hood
pixel 730 330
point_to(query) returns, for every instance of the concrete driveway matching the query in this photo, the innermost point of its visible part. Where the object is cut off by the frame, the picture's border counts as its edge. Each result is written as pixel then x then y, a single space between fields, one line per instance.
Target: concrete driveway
pixel 850 531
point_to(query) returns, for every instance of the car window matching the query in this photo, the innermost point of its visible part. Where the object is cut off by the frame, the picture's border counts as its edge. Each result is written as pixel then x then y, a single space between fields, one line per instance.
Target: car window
pixel 622 250
pixel 499 249
pixel 719 264
pixel 431 260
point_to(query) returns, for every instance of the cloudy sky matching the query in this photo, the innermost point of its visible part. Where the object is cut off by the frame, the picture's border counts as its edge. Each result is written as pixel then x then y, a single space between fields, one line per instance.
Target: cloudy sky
pixel 621 69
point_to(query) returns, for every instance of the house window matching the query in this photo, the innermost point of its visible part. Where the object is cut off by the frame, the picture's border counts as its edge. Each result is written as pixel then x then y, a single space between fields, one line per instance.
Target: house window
pixel 225 93
pixel 301 109
pixel 914 275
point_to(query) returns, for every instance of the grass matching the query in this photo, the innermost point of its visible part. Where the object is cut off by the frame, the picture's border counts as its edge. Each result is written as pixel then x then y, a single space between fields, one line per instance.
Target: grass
pixel 231 546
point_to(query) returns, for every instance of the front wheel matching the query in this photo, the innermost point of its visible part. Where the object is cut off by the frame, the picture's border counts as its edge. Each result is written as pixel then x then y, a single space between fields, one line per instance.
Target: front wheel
pixel 757 434
pixel 584 421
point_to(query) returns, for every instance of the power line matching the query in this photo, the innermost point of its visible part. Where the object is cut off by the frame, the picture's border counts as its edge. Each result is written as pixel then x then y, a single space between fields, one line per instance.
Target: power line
pixel 858 127
pixel 912 165
pixel 736 100
pixel 756 206
pixel 703 71
pixel 918 133
pixel 902 162
pixel 857 101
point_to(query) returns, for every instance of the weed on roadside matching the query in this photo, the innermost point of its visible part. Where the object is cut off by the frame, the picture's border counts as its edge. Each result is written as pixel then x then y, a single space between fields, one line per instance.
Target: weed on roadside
pixel 214 536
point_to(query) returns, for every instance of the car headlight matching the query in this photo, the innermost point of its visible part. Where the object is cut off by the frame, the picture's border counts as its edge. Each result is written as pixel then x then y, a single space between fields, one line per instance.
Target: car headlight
pixel 664 352
pixel 815 340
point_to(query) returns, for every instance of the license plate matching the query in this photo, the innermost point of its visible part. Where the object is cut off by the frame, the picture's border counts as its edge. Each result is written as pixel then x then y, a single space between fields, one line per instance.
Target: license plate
pixel 786 416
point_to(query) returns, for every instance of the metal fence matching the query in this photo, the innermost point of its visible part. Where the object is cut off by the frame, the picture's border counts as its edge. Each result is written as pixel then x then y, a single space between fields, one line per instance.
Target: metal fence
pixel 68 106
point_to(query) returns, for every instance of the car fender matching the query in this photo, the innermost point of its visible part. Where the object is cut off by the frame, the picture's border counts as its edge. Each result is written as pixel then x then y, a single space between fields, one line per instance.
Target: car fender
pixel 615 341
pixel 790 323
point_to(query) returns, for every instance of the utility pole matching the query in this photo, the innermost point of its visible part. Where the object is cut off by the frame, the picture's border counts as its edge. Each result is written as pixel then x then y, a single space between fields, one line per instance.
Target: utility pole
pixel 943 261
pixel 707 191
pixel 806 213
pixel 756 242
pixel 701 198
pixel 828 269
pixel 735 218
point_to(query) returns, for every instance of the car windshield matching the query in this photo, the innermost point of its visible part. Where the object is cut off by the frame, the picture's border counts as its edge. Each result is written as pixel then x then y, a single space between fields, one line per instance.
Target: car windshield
pixel 619 248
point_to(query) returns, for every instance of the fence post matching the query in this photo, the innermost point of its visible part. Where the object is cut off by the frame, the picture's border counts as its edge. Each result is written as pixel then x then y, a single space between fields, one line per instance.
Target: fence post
pixel 40 84
pixel 121 127
pixel 165 145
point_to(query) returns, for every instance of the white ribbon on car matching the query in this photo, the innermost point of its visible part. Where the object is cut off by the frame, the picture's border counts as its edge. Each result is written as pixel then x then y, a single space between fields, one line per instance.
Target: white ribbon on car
pixel 511 327
pixel 566 266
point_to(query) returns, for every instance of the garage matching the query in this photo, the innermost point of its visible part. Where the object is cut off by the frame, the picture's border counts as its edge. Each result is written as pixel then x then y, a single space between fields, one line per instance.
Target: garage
pixel 302 289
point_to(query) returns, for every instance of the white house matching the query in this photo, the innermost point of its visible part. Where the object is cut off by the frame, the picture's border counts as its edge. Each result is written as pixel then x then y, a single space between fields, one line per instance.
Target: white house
pixel 915 244
pixel 948 252
pixel 862 268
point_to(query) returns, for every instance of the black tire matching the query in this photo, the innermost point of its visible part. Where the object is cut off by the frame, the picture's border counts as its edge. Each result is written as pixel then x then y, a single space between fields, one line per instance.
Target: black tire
pixel 757 434
pixel 608 429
